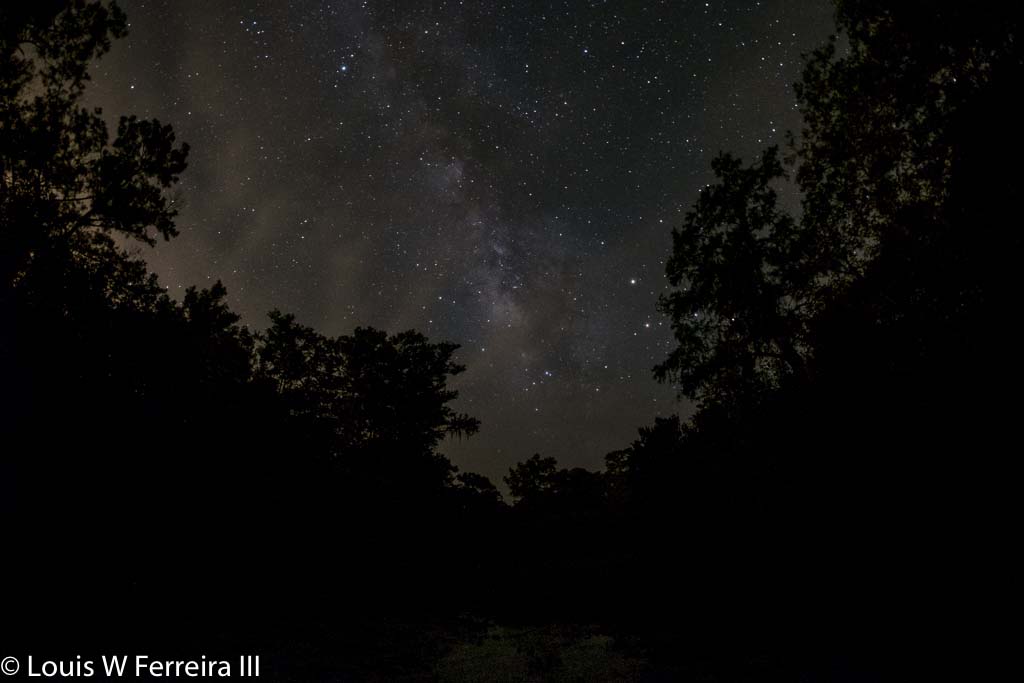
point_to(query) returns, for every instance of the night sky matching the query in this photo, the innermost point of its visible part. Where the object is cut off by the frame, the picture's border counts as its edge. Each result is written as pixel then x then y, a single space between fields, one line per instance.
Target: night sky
pixel 500 175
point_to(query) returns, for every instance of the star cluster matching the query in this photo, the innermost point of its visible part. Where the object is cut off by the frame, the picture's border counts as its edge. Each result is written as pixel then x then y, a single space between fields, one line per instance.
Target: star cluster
pixel 504 175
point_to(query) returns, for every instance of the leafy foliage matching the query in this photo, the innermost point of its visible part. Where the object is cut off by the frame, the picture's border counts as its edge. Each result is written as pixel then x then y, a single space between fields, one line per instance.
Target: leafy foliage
pixel 532 477
pixel 161 423
pixel 848 451
pixel 735 311
pixel 846 462
pixel 886 122
pixel 369 394
pixel 64 185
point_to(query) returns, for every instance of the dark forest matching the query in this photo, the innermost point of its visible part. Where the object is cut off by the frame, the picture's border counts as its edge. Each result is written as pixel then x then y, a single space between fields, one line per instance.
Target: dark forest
pixel 838 506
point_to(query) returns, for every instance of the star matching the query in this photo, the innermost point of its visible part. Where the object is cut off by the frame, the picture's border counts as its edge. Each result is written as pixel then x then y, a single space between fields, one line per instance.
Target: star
pixel 497 188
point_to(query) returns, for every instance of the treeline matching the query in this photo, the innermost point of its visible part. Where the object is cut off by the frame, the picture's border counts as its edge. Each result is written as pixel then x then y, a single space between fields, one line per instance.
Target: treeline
pixel 841 495
pixel 162 464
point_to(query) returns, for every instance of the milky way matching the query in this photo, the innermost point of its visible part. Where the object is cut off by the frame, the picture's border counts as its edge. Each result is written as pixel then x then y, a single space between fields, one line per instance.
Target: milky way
pixel 501 175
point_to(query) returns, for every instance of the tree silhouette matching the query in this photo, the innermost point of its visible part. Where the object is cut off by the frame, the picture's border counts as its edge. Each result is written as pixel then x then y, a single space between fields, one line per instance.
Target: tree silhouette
pixel 880 119
pixel 371 392
pixel 532 478
pixel 881 166
pixel 65 187
pixel 735 310
pixel 157 423
pixel 479 486
pixel 846 450
pixel 846 469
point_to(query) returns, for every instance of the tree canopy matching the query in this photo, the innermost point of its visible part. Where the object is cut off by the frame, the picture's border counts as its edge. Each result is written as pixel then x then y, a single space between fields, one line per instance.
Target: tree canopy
pixel 847 459
pixel 892 126
pixel 67 189
pixel 736 310
pixel 155 420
